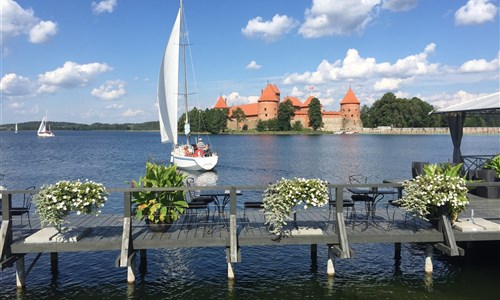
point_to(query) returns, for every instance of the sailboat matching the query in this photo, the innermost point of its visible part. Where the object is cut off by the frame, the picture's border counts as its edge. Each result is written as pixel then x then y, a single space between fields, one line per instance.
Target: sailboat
pixel 185 156
pixel 15 129
pixel 42 130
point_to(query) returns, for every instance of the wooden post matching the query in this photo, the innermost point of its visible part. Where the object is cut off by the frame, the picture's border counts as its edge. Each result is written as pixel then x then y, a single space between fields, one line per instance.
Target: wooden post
pixel 230 271
pixel 54 262
pixel 20 273
pixel 428 257
pixel 131 268
pixel 314 251
pixel 330 270
pixel 143 266
pixel 397 251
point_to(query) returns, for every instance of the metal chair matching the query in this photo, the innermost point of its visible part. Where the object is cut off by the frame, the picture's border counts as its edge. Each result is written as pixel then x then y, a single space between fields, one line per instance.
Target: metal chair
pixel 346 204
pixel 197 202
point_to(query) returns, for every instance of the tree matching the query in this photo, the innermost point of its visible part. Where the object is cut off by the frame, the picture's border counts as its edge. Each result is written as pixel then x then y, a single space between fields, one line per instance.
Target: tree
pixel 285 113
pixel 261 125
pixel 239 115
pixel 297 126
pixel 314 114
pixel 215 120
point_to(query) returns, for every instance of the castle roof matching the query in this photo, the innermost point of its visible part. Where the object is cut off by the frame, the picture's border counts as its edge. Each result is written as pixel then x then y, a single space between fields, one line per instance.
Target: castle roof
pixel 270 93
pixel 221 103
pixel 308 101
pixel 250 110
pixel 350 98
pixel 295 101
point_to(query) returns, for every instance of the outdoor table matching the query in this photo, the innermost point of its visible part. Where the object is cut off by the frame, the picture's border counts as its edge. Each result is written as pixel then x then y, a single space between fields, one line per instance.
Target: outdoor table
pixel 221 199
pixel 374 195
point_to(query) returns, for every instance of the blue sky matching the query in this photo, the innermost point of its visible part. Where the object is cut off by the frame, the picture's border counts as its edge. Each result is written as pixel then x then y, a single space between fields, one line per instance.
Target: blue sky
pixel 98 61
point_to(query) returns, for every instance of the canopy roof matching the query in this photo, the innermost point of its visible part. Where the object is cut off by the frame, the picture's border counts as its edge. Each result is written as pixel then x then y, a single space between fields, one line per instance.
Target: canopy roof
pixel 487 104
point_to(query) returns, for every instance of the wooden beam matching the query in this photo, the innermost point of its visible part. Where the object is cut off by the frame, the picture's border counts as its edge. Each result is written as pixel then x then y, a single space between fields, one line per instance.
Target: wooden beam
pixel 5 239
pixel 233 237
pixel 126 242
pixel 449 237
pixel 342 233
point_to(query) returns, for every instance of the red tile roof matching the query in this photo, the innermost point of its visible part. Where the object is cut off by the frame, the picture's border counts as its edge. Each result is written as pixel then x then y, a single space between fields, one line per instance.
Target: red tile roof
pixel 350 98
pixel 250 110
pixel 308 101
pixel 295 101
pixel 270 93
pixel 221 103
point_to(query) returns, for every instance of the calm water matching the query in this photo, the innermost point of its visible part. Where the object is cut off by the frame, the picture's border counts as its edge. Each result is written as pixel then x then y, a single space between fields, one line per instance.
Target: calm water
pixel 281 272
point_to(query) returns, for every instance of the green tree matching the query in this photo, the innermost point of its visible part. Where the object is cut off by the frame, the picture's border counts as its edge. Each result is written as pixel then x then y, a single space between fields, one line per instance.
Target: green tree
pixel 297 126
pixel 315 115
pixel 239 115
pixel 261 125
pixel 272 124
pixel 215 120
pixel 285 113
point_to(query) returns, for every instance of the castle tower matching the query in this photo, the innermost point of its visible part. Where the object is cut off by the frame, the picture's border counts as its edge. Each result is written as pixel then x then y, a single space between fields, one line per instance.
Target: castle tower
pixel 350 110
pixel 268 102
pixel 221 103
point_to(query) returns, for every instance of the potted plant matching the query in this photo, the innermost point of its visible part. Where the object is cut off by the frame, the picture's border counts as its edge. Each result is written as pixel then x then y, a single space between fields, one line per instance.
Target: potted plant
pixel 494 164
pixel 440 190
pixel 281 198
pixel 55 202
pixel 159 208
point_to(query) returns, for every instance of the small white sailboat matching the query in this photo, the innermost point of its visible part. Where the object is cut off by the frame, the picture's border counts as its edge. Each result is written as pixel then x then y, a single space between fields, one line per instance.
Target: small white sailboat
pixel 42 130
pixel 15 129
pixel 184 156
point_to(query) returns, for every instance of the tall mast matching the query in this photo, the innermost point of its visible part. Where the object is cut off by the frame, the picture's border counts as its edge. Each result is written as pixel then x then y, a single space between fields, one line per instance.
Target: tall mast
pixel 187 127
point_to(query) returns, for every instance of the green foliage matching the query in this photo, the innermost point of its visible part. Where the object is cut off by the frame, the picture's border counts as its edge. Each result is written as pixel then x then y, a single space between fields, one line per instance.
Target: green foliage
pixel 285 113
pixel 315 115
pixel 272 124
pixel 55 202
pixel 297 126
pixel 239 115
pixel 215 120
pixel 399 112
pixel 440 190
pixel 281 198
pixel 494 164
pixel 160 206
pixel 261 125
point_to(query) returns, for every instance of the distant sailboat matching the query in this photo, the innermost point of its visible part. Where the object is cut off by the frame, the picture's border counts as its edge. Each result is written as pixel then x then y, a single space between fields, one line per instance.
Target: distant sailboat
pixel 15 129
pixel 42 130
pixel 183 156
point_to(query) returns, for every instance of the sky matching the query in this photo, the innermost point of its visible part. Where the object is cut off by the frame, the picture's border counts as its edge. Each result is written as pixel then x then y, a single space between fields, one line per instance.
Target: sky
pixel 98 61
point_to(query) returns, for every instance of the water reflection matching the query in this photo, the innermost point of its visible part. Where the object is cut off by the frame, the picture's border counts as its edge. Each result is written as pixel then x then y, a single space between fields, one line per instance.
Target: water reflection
pixel 203 178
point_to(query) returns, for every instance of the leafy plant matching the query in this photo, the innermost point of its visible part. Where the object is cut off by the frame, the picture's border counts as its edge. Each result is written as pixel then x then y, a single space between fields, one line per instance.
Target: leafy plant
pixel 281 198
pixel 494 164
pixel 160 206
pixel 440 190
pixel 55 202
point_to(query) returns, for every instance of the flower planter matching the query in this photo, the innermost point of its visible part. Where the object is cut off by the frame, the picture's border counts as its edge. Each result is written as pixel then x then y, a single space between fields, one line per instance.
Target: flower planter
pixel 158 227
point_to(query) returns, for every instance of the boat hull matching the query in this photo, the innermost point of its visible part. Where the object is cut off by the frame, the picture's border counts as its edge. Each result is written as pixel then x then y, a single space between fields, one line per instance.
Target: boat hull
pixel 195 163
pixel 45 134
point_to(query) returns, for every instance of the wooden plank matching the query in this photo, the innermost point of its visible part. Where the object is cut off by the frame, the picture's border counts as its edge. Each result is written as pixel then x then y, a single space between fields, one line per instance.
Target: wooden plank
pixel 126 244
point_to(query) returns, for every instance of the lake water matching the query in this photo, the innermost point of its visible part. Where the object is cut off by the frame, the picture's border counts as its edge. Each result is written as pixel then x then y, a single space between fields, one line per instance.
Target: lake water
pixel 281 272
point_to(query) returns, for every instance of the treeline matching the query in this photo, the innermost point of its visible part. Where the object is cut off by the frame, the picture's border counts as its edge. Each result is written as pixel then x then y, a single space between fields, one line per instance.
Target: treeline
pixel 414 112
pixel 33 125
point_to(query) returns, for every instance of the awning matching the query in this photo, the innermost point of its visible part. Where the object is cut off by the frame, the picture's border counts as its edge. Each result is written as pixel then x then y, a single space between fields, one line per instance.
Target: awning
pixel 485 104
pixel 455 115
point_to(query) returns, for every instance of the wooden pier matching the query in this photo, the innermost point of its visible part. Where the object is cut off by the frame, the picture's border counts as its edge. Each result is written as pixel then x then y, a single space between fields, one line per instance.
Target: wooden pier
pixel 239 227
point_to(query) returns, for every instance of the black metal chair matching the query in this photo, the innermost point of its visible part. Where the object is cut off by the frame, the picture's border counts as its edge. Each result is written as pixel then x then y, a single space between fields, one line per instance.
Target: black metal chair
pixel 197 202
pixel 25 207
pixel 360 179
pixel 347 204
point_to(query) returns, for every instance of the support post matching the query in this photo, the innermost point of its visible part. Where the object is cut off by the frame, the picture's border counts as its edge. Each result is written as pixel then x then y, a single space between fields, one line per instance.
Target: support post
pixel 397 251
pixel 233 237
pixel 340 228
pixel 428 258
pixel 126 247
pixel 143 266
pixel 314 251
pixel 330 269
pixel 130 269
pixel 54 262
pixel 230 271
pixel 20 273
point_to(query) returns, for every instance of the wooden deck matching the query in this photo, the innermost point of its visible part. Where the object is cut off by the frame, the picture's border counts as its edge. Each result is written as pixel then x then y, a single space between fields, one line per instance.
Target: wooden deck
pixel 238 228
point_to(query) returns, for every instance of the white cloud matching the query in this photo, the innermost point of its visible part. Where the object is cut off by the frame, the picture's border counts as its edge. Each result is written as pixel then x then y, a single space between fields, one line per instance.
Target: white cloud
pixel 235 98
pixel 14 85
pixel 18 21
pixel 480 65
pixel 388 84
pixel 133 113
pixel 42 32
pixel 355 67
pixel 114 106
pixel 104 6
pixel 399 5
pixel 334 17
pixel 112 90
pixel 296 92
pixel 476 12
pixel 269 31
pixel 70 75
pixel 253 65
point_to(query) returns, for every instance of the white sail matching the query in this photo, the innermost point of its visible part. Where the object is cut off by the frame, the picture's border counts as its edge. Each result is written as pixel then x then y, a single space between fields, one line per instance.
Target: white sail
pixel 42 128
pixel 16 129
pixel 184 156
pixel 168 86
